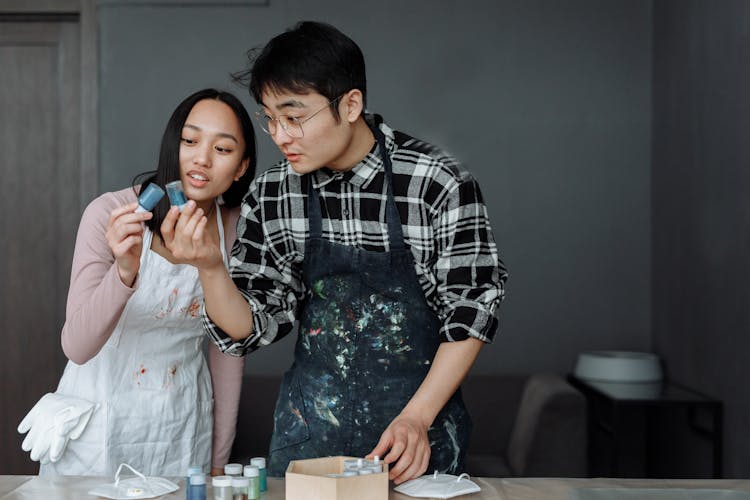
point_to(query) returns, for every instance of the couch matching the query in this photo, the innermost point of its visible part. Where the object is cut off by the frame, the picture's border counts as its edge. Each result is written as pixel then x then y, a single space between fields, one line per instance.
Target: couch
pixel 524 425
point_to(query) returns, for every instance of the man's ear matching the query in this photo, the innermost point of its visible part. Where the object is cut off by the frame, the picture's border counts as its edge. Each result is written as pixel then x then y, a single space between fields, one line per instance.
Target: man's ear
pixel 353 105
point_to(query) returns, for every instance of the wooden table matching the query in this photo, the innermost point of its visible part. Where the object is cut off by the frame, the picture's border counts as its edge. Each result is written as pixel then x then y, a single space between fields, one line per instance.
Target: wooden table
pixel 64 488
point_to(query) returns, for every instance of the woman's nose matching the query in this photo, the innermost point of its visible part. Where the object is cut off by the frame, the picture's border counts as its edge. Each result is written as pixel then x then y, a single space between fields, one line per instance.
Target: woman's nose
pixel 203 155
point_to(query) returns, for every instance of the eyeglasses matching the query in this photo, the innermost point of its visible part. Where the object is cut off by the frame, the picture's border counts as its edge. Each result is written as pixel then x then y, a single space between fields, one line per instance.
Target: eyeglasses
pixel 291 124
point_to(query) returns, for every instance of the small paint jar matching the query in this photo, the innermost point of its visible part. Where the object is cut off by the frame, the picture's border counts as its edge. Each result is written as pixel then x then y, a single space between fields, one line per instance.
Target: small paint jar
pixel 196 488
pixel 260 463
pixel 354 463
pixel 240 487
pixel 252 474
pixel 375 464
pixel 222 486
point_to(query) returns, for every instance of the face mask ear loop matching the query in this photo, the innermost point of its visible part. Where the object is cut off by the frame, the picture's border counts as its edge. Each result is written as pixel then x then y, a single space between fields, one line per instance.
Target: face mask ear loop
pixel 119 469
pixel 462 476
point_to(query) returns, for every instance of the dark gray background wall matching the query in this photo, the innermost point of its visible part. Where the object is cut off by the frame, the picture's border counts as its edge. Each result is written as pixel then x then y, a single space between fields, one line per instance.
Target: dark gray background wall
pixel 547 103
pixel 701 205
pixel 609 137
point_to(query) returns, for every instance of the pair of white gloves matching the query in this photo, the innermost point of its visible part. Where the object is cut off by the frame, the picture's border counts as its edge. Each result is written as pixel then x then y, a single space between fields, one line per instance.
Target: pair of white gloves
pixel 52 422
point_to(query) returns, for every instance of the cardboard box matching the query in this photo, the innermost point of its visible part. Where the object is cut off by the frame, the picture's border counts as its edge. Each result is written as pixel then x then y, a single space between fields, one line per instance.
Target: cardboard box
pixel 307 480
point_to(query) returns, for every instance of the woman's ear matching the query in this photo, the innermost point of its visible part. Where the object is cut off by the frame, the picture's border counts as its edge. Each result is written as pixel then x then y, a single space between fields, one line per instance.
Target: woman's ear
pixel 242 169
pixel 353 102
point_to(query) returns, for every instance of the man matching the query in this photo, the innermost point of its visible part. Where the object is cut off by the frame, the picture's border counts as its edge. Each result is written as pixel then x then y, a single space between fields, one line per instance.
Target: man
pixel 379 245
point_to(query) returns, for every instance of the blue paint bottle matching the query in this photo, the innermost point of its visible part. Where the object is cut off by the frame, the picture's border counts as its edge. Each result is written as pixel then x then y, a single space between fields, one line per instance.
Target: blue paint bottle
pixel 196 489
pixel 149 198
pixel 193 470
pixel 176 194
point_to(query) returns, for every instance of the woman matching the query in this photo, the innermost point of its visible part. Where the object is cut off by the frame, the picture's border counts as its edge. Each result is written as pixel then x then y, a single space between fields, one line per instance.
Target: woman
pixel 133 329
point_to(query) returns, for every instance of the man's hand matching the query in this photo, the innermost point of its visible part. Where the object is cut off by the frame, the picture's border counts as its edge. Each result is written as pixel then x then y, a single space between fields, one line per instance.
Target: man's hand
pixel 407 446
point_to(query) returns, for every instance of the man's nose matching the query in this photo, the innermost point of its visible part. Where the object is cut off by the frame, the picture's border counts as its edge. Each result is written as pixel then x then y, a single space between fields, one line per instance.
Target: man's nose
pixel 280 136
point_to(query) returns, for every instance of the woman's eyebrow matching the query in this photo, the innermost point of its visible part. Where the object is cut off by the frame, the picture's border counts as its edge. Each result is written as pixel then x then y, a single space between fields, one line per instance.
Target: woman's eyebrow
pixel 218 134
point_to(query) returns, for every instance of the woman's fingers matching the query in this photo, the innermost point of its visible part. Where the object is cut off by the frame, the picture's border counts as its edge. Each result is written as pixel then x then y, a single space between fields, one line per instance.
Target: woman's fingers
pixel 119 211
pixel 186 235
pixel 126 214
pixel 123 224
pixel 168 226
pixel 200 230
pixel 125 246
pixel 192 222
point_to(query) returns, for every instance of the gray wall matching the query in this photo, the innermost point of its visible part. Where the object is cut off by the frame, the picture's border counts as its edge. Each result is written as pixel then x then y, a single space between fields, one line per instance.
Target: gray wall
pixel 547 103
pixel 701 207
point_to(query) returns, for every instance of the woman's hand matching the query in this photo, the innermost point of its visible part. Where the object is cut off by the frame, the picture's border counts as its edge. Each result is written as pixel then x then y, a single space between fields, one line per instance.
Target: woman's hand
pixel 124 236
pixel 184 234
pixel 408 447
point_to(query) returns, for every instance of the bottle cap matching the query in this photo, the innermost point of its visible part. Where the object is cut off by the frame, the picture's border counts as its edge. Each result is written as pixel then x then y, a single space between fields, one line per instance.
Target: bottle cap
pixel 194 469
pixel 259 462
pixel 251 471
pixel 198 479
pixel 240 482
pixel 233 469
pixel 149 198
pixel 221 481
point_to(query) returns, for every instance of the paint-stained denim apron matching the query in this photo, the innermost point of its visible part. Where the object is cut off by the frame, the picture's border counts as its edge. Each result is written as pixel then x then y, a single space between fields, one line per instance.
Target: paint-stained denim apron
pixel 366 341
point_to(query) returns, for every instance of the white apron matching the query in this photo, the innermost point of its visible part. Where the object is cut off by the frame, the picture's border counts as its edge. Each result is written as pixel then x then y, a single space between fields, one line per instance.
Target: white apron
pixel 150 379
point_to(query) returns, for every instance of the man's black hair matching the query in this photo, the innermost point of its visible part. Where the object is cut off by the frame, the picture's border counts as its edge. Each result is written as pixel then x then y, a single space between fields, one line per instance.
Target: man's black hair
pixel 310 57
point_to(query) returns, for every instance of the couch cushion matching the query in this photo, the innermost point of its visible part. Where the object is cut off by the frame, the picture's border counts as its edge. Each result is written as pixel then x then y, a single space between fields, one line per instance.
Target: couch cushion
pixel 487 465
pixel 549 435
pixel 492 401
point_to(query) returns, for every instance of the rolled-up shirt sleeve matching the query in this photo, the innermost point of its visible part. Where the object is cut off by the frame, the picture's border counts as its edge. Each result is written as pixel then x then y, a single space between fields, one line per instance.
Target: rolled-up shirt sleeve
pixel 469 275
pixel 268 275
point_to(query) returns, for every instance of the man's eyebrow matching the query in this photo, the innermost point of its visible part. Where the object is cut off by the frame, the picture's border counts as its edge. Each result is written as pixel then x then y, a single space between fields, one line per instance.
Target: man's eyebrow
pixel 218 134
pixel 291 103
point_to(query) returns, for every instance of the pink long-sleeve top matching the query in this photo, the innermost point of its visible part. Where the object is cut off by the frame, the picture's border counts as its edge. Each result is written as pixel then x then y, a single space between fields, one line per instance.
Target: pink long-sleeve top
pixel 97 297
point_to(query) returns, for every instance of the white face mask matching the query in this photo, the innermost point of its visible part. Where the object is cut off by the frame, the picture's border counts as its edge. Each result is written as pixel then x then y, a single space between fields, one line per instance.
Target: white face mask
pixel 438 486
pixel 134 487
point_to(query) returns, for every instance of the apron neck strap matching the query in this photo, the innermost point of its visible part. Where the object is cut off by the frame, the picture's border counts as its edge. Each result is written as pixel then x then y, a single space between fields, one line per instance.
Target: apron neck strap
pixel 395 233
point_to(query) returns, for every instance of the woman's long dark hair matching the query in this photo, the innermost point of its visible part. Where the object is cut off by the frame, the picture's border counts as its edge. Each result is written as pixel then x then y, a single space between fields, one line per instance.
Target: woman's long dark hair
pixel 169 155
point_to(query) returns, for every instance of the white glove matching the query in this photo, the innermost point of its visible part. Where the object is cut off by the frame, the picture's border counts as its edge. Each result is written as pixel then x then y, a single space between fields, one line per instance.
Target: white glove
pixel 52 422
